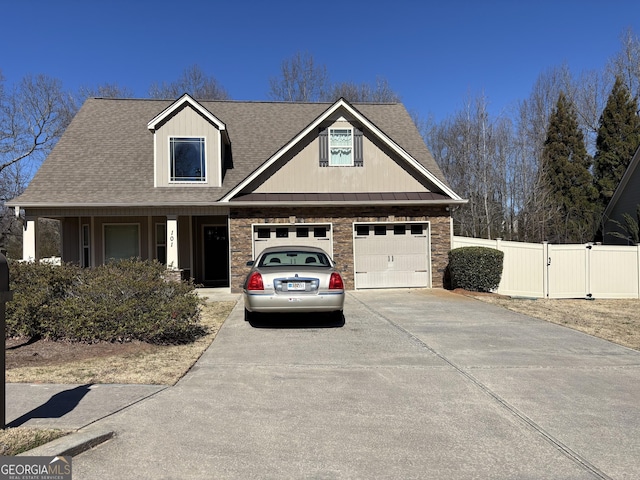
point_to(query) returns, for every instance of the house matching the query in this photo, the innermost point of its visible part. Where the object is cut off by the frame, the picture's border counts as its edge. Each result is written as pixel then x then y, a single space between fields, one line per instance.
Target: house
pixel 204 186
pixel 625 199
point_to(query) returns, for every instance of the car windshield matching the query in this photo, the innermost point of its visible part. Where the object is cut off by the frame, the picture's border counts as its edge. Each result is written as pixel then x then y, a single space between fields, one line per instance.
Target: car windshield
pixel 309 259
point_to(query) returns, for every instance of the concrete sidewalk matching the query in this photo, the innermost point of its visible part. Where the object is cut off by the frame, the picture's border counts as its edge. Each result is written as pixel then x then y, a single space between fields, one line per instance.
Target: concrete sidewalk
pixel 417 384
pixel 70 407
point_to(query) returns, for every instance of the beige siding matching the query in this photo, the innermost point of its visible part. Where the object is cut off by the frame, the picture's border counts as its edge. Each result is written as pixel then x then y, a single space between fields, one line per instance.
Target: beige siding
pixel 380 173
pixel 188 123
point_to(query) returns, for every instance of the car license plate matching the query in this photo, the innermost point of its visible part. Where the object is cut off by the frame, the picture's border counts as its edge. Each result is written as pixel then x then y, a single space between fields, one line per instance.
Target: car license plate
pixel 296 286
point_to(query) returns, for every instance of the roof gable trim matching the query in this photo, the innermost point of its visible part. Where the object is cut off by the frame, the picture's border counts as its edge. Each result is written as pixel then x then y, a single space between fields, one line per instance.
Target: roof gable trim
pixel 342 103
pixel 185 99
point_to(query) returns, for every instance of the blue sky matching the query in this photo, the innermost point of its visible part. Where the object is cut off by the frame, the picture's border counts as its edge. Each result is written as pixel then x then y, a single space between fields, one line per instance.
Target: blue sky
pixel 433 53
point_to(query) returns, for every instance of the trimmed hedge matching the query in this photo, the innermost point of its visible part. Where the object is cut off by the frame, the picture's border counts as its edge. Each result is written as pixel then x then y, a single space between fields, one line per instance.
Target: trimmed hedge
pixel 477 269
pixel 119 302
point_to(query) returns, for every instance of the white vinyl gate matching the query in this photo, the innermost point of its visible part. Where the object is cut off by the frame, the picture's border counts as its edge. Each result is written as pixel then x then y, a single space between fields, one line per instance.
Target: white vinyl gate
pixel 567 267
pixel 391 255
pixel 565 271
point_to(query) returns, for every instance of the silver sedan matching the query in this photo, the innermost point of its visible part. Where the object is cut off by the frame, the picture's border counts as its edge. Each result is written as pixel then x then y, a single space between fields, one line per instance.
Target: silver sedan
pixel 293 279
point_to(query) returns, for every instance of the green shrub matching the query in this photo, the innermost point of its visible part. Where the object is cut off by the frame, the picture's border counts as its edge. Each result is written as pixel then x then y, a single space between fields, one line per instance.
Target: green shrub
pixel 123 301
pixel 477 269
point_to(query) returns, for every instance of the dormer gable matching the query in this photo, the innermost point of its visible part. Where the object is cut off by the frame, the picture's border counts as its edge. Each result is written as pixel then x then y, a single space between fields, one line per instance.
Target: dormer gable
pixel 330 152
pixel 189 145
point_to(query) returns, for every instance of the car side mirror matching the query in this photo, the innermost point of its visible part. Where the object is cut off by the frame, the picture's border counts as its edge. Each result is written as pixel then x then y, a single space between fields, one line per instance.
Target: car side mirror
pixel 250 263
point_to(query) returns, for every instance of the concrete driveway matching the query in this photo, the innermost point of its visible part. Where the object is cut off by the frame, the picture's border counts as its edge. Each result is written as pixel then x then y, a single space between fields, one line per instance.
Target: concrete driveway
pixel 416 384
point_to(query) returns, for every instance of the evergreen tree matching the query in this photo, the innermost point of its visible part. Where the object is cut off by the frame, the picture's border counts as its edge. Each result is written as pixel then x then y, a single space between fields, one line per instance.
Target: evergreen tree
pixel 571 198
pixel 618 138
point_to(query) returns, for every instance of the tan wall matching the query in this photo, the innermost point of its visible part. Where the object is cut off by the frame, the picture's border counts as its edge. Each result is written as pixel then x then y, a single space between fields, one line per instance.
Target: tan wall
pixel 188 123
pixel 380 173
pixel 342 219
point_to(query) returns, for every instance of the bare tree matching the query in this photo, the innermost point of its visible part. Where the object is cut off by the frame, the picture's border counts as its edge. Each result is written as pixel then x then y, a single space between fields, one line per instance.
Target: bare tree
pixel 192 81
pixel 33 116
pixel 626 64
pixel 301 79
pixel 590 96
pixel 475 154
pixel 381 92
pixel 105 90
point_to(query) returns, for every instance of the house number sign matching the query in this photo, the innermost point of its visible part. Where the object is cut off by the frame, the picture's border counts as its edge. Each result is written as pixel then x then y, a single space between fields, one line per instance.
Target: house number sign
pixel 171 238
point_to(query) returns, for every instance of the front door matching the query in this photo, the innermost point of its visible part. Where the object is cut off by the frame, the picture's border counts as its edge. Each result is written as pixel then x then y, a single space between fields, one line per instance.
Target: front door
pixel 215 255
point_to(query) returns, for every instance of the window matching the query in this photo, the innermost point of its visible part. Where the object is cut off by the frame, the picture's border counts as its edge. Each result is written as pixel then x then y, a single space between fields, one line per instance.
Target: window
pixel 264 233
pixel 319 232
pixel 399 230
pixel 416 229
pixel 161 243
pixel 362 230
pixel 302 232
pixel 340 146
pixel 187 159
pixel 282 233
pixel 380 230
pixel 121 242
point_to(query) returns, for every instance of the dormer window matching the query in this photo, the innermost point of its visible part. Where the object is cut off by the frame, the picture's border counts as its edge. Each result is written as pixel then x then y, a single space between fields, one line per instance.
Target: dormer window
pixel 340 147
pixel 187 159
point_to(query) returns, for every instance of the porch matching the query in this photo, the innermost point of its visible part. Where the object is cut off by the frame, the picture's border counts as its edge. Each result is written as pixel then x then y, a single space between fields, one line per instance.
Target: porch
pixel 195 245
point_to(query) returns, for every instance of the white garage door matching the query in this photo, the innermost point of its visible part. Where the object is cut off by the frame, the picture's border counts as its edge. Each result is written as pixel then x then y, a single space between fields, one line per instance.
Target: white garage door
pixel 391 255
pixel 315 235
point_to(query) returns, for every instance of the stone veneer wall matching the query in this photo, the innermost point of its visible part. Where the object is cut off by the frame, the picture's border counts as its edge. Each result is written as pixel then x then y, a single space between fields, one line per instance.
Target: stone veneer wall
pixel 342 219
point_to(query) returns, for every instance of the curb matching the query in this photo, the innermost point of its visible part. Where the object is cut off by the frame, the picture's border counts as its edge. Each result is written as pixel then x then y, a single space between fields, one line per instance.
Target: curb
pixel 72 444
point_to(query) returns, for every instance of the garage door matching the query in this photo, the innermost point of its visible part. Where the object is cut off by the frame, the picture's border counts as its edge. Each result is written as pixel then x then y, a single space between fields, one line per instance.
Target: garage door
pixel 391 255
pixel 315 235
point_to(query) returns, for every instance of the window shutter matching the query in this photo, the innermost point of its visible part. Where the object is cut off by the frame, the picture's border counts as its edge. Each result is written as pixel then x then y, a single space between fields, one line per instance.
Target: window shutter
pixel 323 140
pixel 358 159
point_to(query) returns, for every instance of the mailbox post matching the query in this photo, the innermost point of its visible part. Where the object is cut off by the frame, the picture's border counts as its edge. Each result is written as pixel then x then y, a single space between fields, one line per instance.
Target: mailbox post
pixel 5 296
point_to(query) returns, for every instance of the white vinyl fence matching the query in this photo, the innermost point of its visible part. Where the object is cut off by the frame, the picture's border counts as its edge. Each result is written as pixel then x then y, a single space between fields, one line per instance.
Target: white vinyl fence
pixel 544 270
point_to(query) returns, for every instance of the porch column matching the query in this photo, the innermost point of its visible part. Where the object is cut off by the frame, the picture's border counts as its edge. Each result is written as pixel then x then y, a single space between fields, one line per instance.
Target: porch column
pixel 29 240
pixel 172 242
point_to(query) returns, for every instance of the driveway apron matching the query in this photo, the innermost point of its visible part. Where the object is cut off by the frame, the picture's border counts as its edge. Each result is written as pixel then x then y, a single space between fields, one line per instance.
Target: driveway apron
pixel 416 384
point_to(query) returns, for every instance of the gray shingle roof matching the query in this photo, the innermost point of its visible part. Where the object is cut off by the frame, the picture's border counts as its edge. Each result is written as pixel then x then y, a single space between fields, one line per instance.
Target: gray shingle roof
pixel 105 157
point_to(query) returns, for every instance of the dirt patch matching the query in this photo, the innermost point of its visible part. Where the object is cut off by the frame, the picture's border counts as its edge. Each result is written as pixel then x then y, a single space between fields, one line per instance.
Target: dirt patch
pixel 21 353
